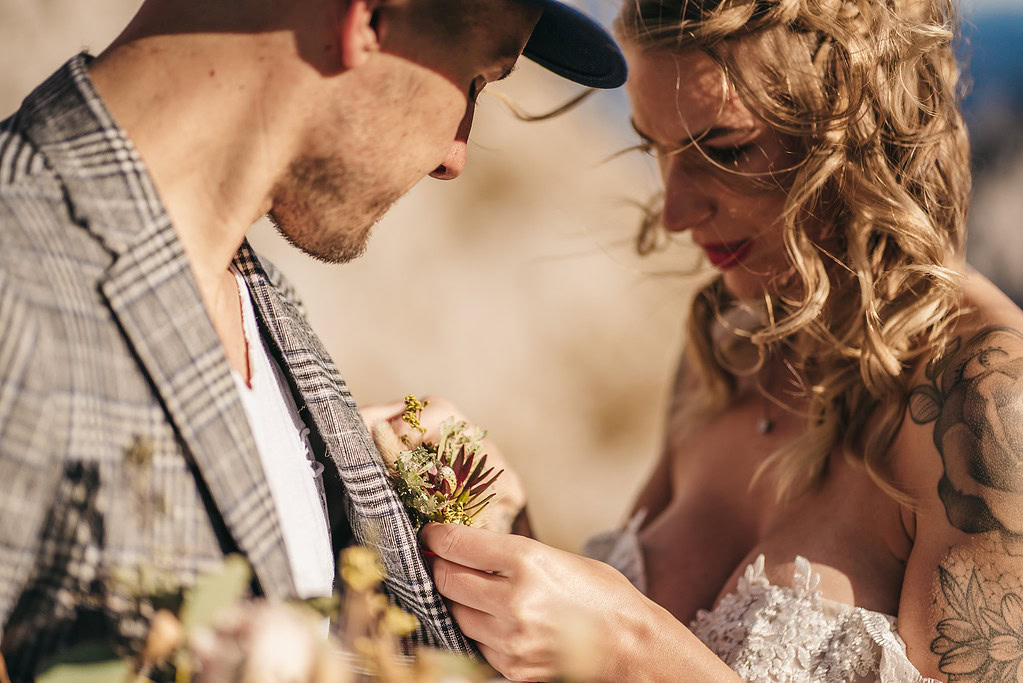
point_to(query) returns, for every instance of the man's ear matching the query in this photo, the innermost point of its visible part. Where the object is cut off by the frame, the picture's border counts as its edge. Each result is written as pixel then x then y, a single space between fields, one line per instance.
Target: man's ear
pixel 359 37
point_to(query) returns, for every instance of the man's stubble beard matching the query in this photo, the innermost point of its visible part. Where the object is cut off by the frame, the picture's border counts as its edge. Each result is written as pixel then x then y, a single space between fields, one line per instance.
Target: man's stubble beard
pixel 326 210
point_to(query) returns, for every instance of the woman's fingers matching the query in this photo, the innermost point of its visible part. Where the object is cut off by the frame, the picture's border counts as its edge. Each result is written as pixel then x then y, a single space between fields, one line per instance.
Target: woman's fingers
pixel 470 587
pixel 512 667
pixel 493 658
pixel 386 412
pixel 479 549
pixel 476 625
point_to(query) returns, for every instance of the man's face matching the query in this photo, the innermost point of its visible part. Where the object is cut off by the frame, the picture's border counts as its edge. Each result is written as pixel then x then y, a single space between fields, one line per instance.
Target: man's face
pixel 405 114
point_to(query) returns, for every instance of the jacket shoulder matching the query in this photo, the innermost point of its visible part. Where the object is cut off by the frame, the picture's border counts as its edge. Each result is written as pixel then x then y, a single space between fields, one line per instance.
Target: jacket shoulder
pixel 23 167
pixel 33 203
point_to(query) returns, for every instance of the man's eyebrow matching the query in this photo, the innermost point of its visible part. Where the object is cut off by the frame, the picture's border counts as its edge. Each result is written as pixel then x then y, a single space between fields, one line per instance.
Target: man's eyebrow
pixel 708 134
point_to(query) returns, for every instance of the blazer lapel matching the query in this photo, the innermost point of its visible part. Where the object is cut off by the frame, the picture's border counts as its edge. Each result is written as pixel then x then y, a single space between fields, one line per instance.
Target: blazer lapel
pixel 376 515
pixel 155 300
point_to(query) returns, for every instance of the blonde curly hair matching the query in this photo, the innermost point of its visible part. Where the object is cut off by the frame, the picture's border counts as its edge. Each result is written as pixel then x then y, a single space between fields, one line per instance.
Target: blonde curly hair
pixel 869 90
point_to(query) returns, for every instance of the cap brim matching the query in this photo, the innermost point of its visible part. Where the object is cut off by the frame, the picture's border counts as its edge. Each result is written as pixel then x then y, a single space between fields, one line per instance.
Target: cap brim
pixel 574 46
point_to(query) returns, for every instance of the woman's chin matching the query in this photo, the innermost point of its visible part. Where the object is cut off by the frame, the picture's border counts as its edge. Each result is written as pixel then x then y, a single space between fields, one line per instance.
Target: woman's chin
pixel 744 285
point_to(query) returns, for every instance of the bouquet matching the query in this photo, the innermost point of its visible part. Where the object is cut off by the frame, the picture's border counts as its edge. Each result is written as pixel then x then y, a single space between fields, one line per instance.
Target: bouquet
pixel 213 632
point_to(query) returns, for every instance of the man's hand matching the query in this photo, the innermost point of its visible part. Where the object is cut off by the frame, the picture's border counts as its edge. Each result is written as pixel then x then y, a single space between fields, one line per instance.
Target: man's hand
pixel 507 511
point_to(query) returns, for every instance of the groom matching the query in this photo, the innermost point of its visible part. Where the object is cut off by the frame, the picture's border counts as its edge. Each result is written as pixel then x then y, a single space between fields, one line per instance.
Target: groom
pixel 163 400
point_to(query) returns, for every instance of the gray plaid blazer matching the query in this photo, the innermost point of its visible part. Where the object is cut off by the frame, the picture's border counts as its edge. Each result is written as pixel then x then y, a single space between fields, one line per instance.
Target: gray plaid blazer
pixel 126 460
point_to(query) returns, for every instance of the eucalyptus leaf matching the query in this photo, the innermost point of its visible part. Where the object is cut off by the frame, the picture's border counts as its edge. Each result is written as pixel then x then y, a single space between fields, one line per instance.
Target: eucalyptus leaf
pixel 215 592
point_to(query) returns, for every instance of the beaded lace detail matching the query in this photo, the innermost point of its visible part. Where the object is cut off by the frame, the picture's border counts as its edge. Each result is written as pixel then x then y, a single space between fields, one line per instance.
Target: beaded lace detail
pixel 766 632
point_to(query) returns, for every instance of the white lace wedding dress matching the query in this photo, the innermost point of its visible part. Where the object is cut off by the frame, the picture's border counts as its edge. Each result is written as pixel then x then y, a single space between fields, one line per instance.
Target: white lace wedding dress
pixel 766 632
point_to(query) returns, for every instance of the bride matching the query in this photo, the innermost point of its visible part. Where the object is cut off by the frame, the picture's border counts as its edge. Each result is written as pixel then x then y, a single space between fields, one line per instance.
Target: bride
pixel 841 490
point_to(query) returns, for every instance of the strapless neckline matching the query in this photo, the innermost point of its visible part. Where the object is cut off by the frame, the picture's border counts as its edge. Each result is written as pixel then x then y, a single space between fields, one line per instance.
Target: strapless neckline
pixel 769 632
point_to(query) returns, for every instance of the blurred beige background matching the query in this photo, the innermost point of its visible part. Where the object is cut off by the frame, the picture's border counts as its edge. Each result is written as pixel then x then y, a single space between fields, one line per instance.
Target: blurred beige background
pixel 513 291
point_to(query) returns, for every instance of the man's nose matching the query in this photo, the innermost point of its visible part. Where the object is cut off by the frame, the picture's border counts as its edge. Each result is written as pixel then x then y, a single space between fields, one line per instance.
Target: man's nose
pixel 454 162
pixel 686 203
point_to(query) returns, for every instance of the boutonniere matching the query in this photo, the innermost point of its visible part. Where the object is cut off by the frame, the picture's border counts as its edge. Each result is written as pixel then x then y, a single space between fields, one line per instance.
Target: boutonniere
pixel 446 481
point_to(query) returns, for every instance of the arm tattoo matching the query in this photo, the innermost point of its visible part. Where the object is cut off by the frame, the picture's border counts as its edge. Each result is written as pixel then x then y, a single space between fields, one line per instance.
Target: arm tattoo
pixel 981 639
pixel 974 397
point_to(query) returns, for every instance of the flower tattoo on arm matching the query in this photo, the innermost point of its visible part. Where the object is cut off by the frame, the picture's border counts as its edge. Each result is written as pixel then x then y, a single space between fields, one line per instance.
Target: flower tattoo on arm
pixel 974 397
pixel 978 642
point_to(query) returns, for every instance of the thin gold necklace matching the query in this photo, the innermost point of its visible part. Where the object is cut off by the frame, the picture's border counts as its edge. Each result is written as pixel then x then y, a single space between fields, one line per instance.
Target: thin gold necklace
pixel 765 425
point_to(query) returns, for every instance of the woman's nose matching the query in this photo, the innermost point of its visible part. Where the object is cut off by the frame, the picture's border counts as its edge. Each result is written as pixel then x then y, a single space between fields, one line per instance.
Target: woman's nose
pixel 686 203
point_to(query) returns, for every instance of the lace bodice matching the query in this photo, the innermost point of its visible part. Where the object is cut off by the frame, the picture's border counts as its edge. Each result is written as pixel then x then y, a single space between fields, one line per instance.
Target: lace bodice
pixel 767 632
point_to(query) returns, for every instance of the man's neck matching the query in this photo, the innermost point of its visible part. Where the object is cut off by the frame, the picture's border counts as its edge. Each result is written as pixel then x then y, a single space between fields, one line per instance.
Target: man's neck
pixel 203 120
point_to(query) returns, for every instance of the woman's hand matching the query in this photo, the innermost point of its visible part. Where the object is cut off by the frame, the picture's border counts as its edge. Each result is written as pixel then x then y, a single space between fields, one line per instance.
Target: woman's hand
pixel 538 613
pixel 508 508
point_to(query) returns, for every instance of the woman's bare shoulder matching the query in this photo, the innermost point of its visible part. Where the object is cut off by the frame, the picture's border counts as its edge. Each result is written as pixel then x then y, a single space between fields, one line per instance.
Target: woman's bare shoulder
pixel 984 305
pixel 986 313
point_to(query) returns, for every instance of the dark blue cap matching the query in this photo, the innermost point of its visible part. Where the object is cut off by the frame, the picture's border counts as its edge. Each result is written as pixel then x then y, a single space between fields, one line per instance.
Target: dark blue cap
pixel 573 45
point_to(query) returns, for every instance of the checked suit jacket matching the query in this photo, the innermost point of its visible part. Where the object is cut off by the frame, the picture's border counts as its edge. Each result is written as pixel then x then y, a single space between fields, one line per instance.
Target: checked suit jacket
pixel 126 460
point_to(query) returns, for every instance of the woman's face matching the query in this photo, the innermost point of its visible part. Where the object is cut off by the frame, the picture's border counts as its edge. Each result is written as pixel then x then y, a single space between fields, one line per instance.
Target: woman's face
pixel 735 218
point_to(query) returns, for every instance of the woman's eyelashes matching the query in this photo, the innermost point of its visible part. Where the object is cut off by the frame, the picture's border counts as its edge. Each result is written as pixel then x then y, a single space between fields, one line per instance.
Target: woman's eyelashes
pixel 652 148
pixel 731 155
pixel 728 155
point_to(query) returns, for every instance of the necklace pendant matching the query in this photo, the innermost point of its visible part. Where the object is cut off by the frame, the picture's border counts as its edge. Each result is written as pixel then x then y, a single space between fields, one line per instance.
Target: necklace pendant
pixel 765 425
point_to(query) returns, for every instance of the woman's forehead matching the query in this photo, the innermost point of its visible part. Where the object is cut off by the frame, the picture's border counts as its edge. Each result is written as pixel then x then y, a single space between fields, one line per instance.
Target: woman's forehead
pixel 678 94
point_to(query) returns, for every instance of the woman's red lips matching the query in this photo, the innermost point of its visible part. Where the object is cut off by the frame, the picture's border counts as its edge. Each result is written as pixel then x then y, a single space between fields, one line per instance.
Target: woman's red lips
pixel 725 255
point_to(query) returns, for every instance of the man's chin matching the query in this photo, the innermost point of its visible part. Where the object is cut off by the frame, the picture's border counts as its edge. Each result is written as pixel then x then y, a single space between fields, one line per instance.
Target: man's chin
pixel 332 249
pixel 334 255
